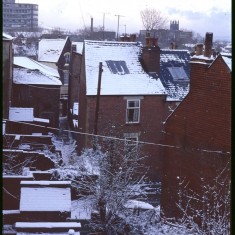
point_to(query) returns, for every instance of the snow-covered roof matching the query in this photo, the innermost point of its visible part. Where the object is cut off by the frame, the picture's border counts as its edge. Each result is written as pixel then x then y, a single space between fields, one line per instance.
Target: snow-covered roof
pixel 21 114
pixel 44 196
pixel 79 46
pixel 132 204
pixel 202 57
pixel 49 50
pixel 48 233
pixel 33 77
pixel 46 183
pixel 29 63
pixel 122 71
pixel 228 61
pixel 174 73
pixel 7 36
pixel 47 225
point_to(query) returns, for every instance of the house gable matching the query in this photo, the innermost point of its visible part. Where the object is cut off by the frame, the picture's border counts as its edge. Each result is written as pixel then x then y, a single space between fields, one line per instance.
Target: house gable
pixel 49 50
pixel 199 131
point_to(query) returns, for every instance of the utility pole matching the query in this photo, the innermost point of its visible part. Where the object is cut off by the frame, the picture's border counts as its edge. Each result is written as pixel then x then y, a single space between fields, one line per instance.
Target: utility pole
pixel 118 25
pixel 98 99
pixel 104 22
pixel 97 107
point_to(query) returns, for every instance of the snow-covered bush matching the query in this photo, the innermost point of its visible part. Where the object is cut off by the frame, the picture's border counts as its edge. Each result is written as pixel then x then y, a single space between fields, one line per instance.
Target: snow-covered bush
pixel 118 179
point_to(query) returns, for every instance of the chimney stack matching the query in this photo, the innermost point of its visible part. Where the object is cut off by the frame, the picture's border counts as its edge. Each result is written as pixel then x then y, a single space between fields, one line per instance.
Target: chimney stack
pixel 199 49
pixel 151 55
pixel 208 45
pixel 74 47
pixel 92 28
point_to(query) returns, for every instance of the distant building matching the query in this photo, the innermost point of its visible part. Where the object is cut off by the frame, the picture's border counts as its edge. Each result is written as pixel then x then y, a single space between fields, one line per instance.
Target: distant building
pixel 19 16
pixel 168 36
pixel 174 25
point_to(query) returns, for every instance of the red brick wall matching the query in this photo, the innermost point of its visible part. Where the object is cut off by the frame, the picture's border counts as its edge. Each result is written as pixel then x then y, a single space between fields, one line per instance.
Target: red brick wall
pixel 201 122
pixel 112 122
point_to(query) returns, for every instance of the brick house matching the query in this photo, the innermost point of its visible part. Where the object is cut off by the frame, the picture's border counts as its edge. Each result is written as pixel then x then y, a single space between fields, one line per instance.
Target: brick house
pixel 132 102
pixel 36 86
pixel 132 78
pixel 199 130
pixel 75 70
pixel 56 53
pixel 7 59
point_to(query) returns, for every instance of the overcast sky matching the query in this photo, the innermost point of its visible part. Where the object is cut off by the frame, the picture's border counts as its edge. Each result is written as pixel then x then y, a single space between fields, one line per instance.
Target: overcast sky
pixel 198 16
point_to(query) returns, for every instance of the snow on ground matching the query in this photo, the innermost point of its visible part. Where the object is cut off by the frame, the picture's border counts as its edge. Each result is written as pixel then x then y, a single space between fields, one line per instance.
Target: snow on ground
pixel 82 208
pixel 132 204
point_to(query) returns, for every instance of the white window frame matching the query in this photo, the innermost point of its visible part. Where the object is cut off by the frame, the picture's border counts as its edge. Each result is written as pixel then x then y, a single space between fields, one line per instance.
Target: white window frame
pixel 131 140
pixel 136 111
pixel 67 57
pixel 178 73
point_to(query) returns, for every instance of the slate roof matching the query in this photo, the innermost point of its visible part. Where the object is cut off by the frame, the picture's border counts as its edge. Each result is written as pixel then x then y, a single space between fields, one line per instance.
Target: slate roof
pixel 122 71
pixel 45 196
pixel 49 50
pixel 176 89
pixel 33 77
pixel 28 63
pixel 228 61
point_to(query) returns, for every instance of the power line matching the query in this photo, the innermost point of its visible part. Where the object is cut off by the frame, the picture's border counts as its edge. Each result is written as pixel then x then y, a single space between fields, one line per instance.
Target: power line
pixel 93 135
pixel 119 139
pixel 81 13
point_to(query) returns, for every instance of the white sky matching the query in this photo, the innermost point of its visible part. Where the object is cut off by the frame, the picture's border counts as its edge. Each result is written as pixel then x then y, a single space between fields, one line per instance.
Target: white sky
pixel 198 16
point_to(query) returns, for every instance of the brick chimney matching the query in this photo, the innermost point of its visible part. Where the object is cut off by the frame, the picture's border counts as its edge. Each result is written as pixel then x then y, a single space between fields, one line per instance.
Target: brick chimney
pixel 208 45
pixel 132 37
pixel 173 46
pixel 199 49
pixel 151 55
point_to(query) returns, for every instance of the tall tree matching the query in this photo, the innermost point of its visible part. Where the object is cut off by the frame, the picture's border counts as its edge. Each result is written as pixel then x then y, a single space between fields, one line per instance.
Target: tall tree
pixel 153 19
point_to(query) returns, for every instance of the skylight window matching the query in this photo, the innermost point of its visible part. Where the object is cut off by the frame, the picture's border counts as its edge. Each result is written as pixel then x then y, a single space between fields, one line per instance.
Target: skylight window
pixel 117 67
pixel 178 73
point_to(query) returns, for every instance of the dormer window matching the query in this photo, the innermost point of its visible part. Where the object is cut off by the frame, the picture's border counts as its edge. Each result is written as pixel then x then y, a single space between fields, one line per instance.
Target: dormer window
pixel 117 67
pixel 178 73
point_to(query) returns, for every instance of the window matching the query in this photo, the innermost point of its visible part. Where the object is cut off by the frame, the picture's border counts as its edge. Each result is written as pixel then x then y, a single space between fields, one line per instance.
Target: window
pixel 66 77
pixel 133 111
pixel 178 73
pixel 67 57
pixel 117 67
pixel 131 141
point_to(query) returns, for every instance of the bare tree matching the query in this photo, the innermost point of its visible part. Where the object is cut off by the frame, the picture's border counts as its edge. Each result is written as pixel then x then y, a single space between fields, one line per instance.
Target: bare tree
pixel 120 174
pixel 207 212
pixel 153 19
